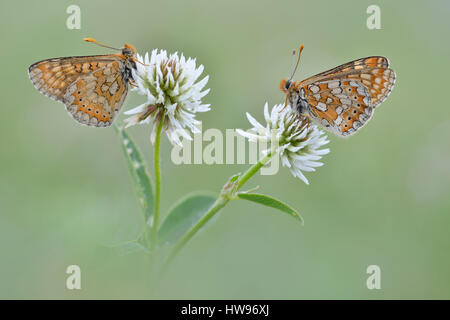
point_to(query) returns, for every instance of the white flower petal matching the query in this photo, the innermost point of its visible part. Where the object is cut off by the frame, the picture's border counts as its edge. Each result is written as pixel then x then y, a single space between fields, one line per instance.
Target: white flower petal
pixel 169 82
pixel 138 109
pixel 298 143
pixel 253 121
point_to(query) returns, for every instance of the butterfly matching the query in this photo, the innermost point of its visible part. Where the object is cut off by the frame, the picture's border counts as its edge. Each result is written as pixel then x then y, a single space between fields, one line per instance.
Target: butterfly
pixel 93 88
pixel 341 100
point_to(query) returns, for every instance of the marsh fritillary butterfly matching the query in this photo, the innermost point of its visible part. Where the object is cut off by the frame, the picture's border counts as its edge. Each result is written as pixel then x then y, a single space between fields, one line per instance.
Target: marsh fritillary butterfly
pixel 342 99
pixel 93 88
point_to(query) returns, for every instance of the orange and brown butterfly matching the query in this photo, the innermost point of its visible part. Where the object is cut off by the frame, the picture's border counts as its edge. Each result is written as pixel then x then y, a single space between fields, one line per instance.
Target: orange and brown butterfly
pixel 93 88
pixel 341 100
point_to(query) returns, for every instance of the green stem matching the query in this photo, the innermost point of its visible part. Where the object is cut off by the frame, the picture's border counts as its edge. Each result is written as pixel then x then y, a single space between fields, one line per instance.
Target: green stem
pixel 221 201
pixel 252 170
pixel 157 163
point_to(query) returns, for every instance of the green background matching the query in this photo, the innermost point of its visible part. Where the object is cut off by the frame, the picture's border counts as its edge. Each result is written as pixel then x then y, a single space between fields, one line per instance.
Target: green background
pixel 381 198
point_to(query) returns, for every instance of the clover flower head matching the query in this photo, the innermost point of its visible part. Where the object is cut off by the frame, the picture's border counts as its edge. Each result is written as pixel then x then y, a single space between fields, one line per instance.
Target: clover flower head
pixel 173 94
pixel 297 141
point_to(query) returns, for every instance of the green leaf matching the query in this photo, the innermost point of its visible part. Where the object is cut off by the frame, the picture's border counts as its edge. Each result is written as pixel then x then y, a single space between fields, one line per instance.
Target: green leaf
pixel 183 216
pixel 139 173
pixel 271 202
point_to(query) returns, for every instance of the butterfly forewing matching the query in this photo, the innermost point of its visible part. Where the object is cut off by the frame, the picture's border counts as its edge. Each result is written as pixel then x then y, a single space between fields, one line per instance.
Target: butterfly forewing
pixel 342 99
pixel 51 77
pixel 358 64
pixel 92 87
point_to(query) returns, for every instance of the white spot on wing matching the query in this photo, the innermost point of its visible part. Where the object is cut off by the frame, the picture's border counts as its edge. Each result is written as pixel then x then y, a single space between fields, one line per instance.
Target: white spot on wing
pixel 113 88
pixel 321 106
pixel 314 88
pixel 334 84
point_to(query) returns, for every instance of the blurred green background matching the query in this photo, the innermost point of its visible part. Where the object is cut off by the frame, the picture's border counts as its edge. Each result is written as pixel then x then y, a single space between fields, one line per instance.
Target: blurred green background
pixel 381 198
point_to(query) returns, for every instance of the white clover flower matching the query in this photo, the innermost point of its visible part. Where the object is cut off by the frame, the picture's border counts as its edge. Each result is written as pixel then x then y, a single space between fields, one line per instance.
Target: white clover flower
pixel 297 142
pixel 169 82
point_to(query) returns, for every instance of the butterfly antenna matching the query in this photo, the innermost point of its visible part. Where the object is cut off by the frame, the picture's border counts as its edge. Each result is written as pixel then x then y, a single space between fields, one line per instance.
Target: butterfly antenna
pixel 100 44
pixel 293 72
pixel 298 61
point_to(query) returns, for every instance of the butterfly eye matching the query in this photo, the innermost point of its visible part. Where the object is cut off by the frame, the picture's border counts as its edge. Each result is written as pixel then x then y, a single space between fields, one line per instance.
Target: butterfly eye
pixel 288 84
pixel 127 52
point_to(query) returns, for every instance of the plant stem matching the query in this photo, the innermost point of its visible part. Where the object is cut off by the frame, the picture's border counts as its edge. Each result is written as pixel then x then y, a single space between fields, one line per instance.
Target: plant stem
pixel 157 163
pixel 252 170
pixel 221 201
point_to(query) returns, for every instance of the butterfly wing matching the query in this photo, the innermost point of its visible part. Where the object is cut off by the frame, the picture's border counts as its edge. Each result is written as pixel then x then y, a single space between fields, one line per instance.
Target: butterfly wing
pixel 358 64
pixel 52 76
pixel 341 106
pixel 95 99
pixel 342 99
pixel 91 87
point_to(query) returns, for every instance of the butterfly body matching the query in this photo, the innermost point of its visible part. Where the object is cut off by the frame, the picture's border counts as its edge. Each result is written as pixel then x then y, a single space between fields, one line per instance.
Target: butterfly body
pixel 93 88
pixel 342 99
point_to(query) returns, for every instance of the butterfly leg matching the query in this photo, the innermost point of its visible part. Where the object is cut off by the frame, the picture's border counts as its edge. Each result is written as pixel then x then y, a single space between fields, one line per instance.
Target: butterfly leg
pixel 136 60
pixel 286 101
pixel 305 119
pixel 133 83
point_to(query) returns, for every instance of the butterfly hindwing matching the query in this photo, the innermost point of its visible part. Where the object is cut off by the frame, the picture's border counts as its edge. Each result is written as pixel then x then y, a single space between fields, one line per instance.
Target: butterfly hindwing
pixel 96 98
pixel 341 106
